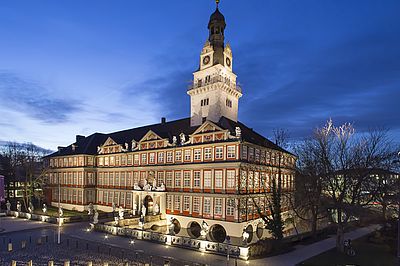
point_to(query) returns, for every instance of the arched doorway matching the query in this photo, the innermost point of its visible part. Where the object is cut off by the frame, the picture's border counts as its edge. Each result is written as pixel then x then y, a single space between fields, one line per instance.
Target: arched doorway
pixel 176 226
pixel 148 203
pixel 217 233
pixel 194 230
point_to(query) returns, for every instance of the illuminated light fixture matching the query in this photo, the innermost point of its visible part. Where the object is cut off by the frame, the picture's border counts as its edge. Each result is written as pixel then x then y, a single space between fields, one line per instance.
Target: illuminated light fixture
pixel 106 236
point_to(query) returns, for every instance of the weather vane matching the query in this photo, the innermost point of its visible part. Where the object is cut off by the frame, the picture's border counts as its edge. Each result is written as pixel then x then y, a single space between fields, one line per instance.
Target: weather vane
pixel 217 2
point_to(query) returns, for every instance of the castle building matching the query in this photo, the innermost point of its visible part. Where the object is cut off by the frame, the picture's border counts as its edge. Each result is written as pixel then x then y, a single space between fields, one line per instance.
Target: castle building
pixel 207 168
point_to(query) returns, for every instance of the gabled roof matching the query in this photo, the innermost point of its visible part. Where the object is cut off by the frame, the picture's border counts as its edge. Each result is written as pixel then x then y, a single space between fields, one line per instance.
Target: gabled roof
pixel 88 145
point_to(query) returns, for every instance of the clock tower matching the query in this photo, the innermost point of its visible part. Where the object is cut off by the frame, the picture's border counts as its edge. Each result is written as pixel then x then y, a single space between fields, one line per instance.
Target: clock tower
pixel 214 92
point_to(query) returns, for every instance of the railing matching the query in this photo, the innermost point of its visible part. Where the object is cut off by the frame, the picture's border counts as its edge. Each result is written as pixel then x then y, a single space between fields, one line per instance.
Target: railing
pixel 180 241
pixel 212 80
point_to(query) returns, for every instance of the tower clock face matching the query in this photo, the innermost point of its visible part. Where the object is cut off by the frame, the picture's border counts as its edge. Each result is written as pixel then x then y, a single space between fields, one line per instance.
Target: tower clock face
pixel 228 62
pixel 206 60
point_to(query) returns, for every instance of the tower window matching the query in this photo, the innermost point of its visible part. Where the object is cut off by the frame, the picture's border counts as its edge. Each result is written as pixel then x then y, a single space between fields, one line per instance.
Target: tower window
pixel 204 102
pixel 229 103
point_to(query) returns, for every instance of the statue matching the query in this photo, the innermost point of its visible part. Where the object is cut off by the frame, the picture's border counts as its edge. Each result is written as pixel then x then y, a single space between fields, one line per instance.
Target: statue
pixel 171 226
pixel 98 149
pixel 136 186
pixel 144 210
pixel 204 229
pixel 90 209
pixel 95 217
pixel 18 206
pixel 134 208
pixel 156 209
pixel 154 183
pixel 238 132
pixel 245 236
pixel 30 207
pixel 114 207
pixel 133 144
pixel 183 138
pixel 160 188
pixel 126 146
pixel 121 213
pixel 8 205
pixel 44 208
pixel 174 140
pixel 146 185
pixel 60 212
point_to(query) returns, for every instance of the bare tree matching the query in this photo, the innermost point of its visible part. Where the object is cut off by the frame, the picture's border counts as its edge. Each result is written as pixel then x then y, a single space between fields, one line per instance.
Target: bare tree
pixel 345 161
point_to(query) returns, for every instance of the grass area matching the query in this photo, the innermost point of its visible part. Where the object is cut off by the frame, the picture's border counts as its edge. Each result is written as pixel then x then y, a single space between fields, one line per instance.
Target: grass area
pixel 53 211
pixel 367 254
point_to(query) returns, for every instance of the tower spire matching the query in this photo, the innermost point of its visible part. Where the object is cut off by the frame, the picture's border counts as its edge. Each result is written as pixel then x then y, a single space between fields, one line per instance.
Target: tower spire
pixel 217 2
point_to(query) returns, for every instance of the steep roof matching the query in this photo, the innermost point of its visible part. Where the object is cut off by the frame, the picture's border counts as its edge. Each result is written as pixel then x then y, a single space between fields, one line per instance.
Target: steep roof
pixel 88 145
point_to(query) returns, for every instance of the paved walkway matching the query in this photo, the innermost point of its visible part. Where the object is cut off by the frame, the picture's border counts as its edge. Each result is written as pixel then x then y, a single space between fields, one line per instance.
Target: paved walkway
pixel 301 252
pixel 77 230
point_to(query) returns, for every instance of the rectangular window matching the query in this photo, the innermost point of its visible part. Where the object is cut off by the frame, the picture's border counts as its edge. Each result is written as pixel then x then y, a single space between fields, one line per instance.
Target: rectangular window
pixel 196 179
pixel 186 179
pixel 187 155
pixel 251 154
pixel 178 156
pixel 207 154
pixel 178 179
pixel 230 179
pixel 112 160
pixel 123 160
pixel 169 157
pixel 169 202
pixel 116 182
pixel 122 199
pixel 144 158
pixel 161 157
pixel 219 152
pixel 207 206
pixel 218 206
pixel 197 154
pixel 168 181
pixel 196 204
pixel 186 203
pixel 207 179
pixel 230 207
pixel 244 152
pixel 152 157
pixel 256 179
pixel 123 184
pixel 128 199
pixel 111 179
pixel 257 154
pixel 231 153
pixel 177 203
pixel 130 159
pixel 160 178
pixel 218 179
pixel 117 160
pixel 106 161
pixel 136 159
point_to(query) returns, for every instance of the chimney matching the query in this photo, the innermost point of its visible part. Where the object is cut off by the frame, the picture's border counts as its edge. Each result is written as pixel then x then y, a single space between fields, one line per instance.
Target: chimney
pixel 79 138
pixel 163 120
pixel 59 148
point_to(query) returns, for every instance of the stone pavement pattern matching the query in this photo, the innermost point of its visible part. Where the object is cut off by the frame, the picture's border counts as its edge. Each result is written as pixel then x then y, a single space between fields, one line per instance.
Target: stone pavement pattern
pixel 78 231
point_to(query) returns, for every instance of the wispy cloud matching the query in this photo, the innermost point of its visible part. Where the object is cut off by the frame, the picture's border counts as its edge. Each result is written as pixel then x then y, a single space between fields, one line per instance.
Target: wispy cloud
pixel 33 99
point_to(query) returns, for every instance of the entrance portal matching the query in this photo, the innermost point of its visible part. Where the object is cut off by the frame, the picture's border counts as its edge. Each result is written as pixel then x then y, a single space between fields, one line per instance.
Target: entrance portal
pixel 148 203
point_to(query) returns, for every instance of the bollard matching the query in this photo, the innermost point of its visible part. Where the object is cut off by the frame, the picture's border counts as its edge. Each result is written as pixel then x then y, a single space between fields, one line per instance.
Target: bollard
pixel 167 263
pixel 29 263
pixel 23 244
pixel 13 263
pixel 90 263
pixel 50 263
pixel 126 263
pixel 9 247
pixel 151 260
pixel 66 263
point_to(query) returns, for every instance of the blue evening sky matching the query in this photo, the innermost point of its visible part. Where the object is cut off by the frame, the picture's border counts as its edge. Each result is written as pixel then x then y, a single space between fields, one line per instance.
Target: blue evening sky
pixel 79 67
